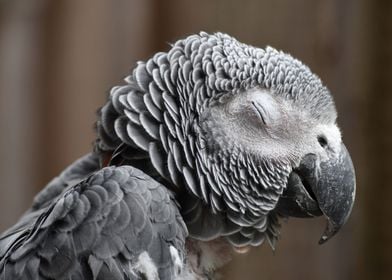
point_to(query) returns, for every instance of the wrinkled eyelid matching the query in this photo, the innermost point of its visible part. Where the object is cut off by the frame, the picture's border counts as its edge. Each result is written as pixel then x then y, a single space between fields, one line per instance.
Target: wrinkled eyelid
pixel 268 111
pixel 260 111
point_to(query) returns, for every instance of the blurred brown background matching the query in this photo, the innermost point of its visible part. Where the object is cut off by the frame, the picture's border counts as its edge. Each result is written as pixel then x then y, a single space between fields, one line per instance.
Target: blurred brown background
pixel 58 59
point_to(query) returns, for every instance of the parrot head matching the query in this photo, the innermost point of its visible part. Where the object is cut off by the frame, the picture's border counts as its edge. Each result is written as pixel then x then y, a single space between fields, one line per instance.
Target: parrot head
pixel 243 136
pixel 294 149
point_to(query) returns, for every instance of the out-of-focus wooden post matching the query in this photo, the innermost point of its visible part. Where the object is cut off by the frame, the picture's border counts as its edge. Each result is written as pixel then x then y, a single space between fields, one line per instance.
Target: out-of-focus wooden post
pixel 20 87
pixel 377 254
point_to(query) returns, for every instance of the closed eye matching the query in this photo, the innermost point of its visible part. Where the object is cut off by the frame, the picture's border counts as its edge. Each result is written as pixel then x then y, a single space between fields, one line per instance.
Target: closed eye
pixel 260 111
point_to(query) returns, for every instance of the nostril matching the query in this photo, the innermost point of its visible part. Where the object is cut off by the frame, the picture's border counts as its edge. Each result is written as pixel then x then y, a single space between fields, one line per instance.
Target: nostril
pixel 322 141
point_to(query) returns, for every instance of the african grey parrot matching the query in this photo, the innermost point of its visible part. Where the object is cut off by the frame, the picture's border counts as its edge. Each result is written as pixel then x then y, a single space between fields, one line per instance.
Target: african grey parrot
pixel 198 155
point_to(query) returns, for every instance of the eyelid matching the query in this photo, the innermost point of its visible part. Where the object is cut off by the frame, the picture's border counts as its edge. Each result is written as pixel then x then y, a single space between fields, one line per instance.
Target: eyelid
pixel 260 111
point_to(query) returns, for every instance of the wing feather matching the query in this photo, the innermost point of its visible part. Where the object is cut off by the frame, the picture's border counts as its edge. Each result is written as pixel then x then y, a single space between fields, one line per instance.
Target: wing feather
pixel 98 229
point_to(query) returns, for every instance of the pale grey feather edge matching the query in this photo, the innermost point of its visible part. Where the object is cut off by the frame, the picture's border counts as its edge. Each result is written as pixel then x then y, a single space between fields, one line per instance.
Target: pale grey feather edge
pixel 98 228
pixel 75 172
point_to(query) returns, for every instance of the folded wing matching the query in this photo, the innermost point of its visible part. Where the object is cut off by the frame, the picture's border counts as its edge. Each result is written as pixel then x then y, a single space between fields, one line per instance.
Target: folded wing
pixel 118 223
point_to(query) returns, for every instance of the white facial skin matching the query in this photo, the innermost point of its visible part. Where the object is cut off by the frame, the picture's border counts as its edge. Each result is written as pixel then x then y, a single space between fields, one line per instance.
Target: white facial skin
pixel 263 123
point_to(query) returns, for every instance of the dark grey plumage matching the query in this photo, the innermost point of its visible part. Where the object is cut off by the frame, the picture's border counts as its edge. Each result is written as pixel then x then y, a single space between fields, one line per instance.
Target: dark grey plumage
pixel 214 134
pixel 97 229
pixel 71 175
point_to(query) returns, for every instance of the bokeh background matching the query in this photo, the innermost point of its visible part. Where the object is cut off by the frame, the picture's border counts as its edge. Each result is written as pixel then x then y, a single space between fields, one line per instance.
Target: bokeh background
pixel 58 59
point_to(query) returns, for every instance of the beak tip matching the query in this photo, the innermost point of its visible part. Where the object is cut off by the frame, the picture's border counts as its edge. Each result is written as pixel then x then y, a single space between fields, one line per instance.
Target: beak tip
pixel 323 239
pixel 329 232
pixel 326 236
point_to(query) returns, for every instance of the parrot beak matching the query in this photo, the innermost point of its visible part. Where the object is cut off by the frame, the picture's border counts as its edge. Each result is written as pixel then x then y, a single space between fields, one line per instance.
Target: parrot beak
pixel 316 188
pixel 335 191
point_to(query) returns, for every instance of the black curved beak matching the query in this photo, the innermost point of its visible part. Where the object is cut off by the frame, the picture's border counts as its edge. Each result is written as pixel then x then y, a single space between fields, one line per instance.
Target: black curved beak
pixel 325 188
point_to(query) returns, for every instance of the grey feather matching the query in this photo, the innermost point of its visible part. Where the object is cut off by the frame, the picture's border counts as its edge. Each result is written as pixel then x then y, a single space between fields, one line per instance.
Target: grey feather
pixel 152 108
pixel 90 229
pixel 150 125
